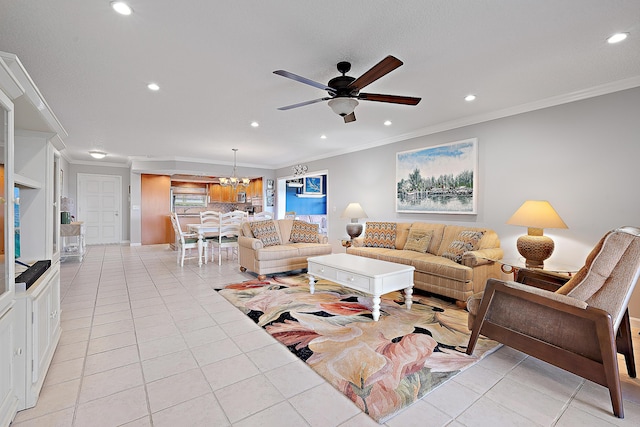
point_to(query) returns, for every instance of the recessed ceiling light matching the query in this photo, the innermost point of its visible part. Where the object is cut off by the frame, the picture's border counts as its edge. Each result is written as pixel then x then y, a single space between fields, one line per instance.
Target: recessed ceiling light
pixel 470 98
pixel 153 86
pixel 323 136
pixel 617 38
pixel 121 7
pixel 255 124
pixel 387 122
pixel 97 154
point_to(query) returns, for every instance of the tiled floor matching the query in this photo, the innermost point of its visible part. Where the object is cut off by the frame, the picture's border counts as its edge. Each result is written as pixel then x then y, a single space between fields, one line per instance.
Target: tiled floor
pixel 146 342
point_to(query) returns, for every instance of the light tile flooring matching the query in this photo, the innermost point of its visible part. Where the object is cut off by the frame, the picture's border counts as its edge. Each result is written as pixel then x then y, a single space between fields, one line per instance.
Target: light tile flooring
pixel 146 342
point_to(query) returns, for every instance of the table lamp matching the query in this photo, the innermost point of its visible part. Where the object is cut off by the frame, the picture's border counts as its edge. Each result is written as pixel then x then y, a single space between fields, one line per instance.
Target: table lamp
pixel 354 211
pixel 536 215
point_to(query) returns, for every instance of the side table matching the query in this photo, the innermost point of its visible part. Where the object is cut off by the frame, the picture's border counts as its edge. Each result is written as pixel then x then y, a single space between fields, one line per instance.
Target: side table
pixel 72 236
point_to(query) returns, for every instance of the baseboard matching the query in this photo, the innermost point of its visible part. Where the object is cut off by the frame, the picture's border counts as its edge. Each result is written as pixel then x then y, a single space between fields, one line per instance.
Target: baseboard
pixel 135 244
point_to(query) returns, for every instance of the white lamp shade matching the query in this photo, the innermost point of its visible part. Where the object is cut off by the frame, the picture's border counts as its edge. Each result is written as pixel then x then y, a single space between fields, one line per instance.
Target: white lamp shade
pixel 354 211
pixel 537 214
pixel 343 106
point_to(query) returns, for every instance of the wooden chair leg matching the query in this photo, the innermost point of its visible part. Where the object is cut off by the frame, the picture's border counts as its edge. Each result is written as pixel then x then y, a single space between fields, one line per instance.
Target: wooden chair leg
pixel 624 344
pixel 607 343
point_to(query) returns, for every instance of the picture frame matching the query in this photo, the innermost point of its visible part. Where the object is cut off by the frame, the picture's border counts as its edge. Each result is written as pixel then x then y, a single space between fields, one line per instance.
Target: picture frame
pixel 312 185
pixel 270 184
pixel 438 179
pixel 269 201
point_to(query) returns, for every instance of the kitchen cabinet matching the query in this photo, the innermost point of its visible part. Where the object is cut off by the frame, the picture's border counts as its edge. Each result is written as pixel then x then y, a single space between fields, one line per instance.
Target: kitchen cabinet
pixel 220 194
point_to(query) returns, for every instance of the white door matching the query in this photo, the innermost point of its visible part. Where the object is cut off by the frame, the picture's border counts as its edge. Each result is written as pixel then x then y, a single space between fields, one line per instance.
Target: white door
pixel 99 207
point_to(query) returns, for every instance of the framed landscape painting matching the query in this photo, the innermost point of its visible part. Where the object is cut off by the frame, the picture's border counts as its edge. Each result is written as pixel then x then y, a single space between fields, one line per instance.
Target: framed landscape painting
pixel 439 179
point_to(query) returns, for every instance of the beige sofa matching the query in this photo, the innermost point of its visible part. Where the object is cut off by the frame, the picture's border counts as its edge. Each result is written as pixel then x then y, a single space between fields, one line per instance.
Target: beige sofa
pixel 433 272
pixel 263 257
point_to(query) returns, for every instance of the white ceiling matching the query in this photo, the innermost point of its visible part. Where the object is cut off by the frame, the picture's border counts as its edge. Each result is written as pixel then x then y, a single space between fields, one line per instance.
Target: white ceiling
pixel 214 62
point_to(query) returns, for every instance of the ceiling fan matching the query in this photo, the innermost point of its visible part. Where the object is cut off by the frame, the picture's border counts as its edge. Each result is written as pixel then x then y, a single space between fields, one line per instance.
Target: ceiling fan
pixel 344 91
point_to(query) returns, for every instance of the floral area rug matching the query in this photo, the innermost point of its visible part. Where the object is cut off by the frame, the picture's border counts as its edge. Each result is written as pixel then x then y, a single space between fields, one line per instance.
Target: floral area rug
pixel 382 366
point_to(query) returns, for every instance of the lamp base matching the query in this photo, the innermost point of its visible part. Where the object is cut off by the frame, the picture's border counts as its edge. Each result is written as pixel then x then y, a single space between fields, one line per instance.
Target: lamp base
pixel 535 249
pixel 354 229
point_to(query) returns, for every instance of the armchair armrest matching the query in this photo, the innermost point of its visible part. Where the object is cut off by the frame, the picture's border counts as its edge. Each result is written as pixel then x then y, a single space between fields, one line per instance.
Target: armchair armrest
pixel 533 320
pixel 542 279
pixel 482 256
pixel 250 242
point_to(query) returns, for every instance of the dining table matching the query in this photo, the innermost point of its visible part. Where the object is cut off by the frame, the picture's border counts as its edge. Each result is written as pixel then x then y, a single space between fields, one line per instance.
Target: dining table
pixel 203 229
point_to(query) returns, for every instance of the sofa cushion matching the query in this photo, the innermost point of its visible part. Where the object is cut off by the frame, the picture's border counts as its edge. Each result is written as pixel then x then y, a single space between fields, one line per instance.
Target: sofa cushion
pixel 246 229
pixel 436 239
pixel 467 240
pixel 312 249
pixel 418 240
pixel 380 235
pixel 277 252
pixel 266 231
pixel 303 232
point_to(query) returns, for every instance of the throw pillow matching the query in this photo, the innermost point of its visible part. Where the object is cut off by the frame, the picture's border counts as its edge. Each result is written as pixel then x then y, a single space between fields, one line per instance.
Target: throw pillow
pixel 303 232
pixel 418 240
pixel 380 235
pixel 266 231
pixel 466 241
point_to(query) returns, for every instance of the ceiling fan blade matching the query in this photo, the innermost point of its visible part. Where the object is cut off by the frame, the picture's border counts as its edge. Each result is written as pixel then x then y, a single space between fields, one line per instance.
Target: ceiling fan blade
pixel 304 80
pixel 382 68
pixel 302 104
pixel 350 118
pixel 393 99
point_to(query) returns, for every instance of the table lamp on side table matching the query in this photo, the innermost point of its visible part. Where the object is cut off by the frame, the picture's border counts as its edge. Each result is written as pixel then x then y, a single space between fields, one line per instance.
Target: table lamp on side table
pixel 536 215
pixel 354 211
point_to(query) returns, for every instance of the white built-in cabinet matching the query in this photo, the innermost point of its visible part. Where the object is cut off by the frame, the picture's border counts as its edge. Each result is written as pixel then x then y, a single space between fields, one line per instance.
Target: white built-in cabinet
pixel 31 139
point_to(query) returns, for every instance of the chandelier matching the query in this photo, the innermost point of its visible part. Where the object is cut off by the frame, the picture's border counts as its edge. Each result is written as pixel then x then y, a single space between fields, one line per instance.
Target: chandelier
pixel 299 170
pixel 233 181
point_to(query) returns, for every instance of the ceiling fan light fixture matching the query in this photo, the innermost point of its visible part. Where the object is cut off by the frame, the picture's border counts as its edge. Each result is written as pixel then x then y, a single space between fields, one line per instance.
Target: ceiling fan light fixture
pixel 343 106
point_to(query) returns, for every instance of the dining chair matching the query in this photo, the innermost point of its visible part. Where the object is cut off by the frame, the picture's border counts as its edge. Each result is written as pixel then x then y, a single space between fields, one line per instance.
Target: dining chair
pixel 261 216
pixel 228 231
pixel 184 241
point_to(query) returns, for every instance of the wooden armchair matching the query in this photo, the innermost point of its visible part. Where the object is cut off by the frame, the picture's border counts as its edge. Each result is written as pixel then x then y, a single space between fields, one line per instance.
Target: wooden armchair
pixel 581 325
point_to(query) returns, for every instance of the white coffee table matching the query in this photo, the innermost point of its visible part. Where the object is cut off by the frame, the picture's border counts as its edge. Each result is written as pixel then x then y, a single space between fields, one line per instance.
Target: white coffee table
pixel 368 275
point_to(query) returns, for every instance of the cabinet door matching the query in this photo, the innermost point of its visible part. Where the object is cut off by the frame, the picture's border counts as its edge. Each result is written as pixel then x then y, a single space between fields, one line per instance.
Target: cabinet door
pixel 41 331
pixel 8 400
pixel 54 314
pixel 215 192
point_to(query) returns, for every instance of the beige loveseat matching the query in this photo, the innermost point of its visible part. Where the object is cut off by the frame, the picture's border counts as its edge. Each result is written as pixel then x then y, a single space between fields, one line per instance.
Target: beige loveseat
pixel 283 246
pixel 434 272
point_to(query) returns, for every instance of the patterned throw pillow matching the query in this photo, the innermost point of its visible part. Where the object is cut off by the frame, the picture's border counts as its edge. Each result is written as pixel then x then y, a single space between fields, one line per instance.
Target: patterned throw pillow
pixel 303 232
pixel 266 231
pixel 418 240
pixel 466 241
pixel 380 235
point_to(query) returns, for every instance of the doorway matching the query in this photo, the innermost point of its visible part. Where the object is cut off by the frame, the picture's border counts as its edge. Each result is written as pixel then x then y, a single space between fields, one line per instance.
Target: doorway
pixel 307 196
pixel 99 207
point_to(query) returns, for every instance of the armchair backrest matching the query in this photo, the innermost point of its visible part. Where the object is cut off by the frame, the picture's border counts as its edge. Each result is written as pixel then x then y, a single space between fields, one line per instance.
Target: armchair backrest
pixel 610 273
